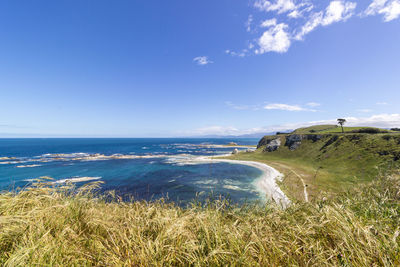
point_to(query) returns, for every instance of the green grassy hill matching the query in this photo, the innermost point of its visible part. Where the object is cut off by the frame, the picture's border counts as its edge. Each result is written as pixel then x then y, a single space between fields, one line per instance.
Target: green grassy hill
pixel 320 129
pixel 327 161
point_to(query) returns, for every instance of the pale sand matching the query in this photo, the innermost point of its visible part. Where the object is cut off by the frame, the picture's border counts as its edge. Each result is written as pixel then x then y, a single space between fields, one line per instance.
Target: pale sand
pixel 266 183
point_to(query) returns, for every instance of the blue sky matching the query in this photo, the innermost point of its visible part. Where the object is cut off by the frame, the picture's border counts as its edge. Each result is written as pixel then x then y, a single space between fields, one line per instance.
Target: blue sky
pixel 184 68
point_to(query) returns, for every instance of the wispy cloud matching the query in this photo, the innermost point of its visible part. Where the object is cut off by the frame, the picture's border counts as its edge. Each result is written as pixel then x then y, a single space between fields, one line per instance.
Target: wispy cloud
pixel 390 9
pixel 365 110
pixel 280 6
pixel 286 107
pixel 202 60
pixel 236 54
pixel 242 107
pixel 14 126
pixel 215 130
pixel 335 12
pixel 313 104
pixel 248 23
pixel 287 21
pixel 279 35
pixel 382 103
pixel 274 106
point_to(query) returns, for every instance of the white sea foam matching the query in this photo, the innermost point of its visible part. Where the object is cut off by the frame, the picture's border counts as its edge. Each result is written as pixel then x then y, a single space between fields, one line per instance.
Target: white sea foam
pixel 66 180
pixel 207 182
pixel 266 183
pixel 76 180
pixel 28 166
pixel 234 187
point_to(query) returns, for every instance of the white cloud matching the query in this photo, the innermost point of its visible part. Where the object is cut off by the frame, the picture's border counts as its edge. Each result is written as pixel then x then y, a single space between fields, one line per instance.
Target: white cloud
pixel 236 54
pixel 215 130
pixel 301 9
pixel 274 106
pixel 302 17
pixel 294 14
pixel 238 107
pixel 364 110
pixel 338 11
pixel 313 104
pixel 382 103
pixel 203 60
pixel 286 107
pixel 313 22
pixel 268 23
pixel 280 6
pixel 380 120
pixel 335 12
pixel 275 39
pixel 242 107
pixel 249 22
pixel 279 35
pixel 390 9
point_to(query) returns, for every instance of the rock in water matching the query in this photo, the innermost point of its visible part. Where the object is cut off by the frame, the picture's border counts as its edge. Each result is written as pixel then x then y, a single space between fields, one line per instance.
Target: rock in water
pixel 235 151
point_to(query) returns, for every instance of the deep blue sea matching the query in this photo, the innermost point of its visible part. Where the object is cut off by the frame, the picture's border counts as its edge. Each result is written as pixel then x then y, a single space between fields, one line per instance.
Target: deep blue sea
pixel 135 168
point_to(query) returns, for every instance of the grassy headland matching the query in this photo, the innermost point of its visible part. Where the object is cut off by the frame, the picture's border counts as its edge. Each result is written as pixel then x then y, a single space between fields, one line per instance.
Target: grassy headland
pixel 327 161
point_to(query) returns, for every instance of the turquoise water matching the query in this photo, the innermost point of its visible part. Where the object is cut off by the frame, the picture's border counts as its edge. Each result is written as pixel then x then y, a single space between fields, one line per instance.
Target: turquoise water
pixel 139 168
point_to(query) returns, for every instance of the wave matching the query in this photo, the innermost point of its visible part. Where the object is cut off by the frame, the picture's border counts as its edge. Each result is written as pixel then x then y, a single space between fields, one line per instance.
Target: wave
pixel 266 184
pixel 28 166
pixel 76 180
pixel 234 187
pixel 66 180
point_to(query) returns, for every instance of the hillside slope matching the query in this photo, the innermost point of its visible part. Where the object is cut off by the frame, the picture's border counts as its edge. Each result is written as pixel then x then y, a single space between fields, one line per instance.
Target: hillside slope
pixel 326 162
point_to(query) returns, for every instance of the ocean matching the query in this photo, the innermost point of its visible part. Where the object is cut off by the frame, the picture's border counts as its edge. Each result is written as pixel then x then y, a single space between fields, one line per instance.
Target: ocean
pixel 141 169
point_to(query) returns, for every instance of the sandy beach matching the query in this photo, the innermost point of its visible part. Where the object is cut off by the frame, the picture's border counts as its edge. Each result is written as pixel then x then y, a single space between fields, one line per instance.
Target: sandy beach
pixel 266 183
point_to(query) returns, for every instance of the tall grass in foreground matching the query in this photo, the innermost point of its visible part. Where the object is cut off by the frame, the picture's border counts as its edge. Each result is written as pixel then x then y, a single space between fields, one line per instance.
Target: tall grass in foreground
pixel 44 225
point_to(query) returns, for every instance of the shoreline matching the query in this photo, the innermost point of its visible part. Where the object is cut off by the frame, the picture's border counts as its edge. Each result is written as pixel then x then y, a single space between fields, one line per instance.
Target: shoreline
pixel 266 183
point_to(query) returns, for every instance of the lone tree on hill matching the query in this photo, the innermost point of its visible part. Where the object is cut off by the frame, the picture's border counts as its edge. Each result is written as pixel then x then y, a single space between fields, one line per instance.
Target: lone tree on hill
pixel 341 122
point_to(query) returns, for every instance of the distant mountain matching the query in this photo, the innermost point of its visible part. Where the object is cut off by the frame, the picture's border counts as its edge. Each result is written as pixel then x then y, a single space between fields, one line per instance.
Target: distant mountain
pixel 255 135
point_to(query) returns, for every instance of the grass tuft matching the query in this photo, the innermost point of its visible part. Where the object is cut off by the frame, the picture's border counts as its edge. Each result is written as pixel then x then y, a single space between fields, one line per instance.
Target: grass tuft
pixel 46 225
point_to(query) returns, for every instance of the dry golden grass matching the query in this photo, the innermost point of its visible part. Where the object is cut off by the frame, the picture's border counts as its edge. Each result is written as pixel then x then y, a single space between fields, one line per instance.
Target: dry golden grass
pixel 65 226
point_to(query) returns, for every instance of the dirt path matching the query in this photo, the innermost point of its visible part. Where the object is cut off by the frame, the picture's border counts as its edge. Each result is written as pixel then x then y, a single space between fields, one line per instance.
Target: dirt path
pixel 304 185
pixel 298 176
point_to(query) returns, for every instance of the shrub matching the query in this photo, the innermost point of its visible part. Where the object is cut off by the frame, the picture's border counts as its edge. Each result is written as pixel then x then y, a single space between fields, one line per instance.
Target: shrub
pixel 370 130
